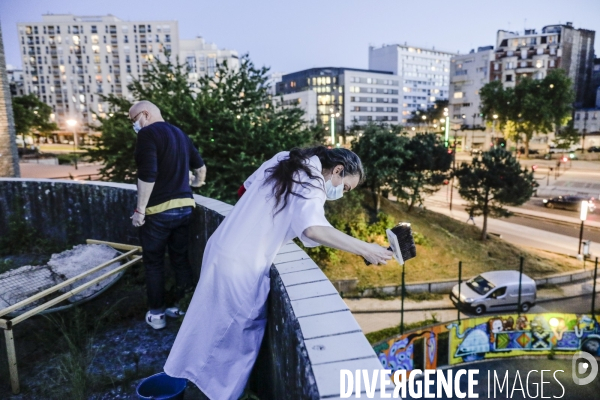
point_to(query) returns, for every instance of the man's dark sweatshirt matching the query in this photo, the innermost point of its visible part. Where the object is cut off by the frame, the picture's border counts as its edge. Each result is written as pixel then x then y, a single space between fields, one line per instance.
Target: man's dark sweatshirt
pixel 165 155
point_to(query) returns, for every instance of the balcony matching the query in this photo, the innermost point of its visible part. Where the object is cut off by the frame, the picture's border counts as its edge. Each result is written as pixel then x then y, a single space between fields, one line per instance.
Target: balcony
pixel 57 83
pixel 116 61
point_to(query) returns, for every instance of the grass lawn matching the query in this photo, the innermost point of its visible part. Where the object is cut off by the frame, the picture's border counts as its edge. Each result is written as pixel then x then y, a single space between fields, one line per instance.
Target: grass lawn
pixel 446 242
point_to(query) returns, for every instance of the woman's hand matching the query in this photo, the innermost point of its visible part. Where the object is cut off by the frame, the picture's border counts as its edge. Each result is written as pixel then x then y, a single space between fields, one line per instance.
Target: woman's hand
pixel 376 254
pixel 331 237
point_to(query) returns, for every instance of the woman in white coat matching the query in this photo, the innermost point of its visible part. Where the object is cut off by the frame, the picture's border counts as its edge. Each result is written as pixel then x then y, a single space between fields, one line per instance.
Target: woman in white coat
pixel 221 334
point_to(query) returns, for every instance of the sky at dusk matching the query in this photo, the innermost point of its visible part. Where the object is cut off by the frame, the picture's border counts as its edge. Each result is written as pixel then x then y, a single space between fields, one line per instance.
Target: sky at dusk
pixel 291 35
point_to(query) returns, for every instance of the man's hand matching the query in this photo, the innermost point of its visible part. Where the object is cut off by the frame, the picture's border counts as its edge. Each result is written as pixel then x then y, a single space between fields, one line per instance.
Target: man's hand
pixel 197 178
pixel 137 219
pixel 196 182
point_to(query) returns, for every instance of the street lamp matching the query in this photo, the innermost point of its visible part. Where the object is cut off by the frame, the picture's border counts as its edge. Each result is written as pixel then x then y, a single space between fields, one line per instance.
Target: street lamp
pixel 495 117
pixel 332 117
pixel 582 217
pixel 73 123
pixel 447 130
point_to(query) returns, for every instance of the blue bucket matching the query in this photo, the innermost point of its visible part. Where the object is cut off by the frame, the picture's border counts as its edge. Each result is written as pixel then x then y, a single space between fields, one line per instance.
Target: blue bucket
pixel 161 387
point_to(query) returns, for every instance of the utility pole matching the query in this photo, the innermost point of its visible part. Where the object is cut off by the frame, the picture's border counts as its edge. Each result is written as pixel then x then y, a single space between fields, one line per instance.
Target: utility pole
pixel 453 167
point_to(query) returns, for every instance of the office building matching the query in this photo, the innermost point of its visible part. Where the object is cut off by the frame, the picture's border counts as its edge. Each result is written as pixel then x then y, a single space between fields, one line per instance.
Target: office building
pixel 425 74
pixel 534 54
pixel 347 96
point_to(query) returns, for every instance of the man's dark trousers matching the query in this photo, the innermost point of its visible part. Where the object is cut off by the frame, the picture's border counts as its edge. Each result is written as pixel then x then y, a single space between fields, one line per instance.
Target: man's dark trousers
pixel 166 230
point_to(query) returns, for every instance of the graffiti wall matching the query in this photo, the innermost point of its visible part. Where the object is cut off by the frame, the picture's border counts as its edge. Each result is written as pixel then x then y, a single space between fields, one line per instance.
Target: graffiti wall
pixel 481 338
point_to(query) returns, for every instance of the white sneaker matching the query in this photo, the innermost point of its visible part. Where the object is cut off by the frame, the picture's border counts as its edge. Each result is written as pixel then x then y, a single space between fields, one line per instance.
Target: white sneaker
pixel 156 321
pixel 174 312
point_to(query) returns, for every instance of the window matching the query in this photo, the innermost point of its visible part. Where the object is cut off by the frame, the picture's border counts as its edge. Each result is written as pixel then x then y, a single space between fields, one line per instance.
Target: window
pixel 167 38
pixel 509 78
pixel 458 95
pixel 94 29
pixel 498 293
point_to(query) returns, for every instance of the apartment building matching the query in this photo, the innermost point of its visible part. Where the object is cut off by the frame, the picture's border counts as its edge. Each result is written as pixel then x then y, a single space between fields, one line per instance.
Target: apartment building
pixel 534 54
pixel 15 80
pixel 468 74
pixel 69 61
pixel 202 58
pixel 425 74
pixel 347 96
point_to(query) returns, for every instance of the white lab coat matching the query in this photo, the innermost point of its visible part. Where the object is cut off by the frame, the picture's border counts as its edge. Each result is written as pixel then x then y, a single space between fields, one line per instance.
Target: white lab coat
pixel 221 334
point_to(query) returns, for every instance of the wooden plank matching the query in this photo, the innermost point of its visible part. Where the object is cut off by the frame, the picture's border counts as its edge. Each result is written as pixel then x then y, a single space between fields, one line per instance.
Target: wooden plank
pixel 119 246
pixel 70 293
pixel 12 361
pixel 65 283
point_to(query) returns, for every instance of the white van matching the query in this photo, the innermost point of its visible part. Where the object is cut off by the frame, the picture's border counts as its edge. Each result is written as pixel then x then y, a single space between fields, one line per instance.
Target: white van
pixel 495 291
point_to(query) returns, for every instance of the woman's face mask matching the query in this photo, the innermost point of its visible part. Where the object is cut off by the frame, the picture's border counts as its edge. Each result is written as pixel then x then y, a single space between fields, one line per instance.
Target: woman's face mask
pixel 334 192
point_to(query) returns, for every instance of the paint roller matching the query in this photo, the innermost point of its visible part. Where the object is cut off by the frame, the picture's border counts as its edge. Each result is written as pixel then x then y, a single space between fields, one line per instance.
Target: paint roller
pixel 402 243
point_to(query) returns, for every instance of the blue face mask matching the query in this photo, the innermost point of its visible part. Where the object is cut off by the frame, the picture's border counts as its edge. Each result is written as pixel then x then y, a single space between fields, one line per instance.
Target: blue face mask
pixel 334 192
pixel 136 126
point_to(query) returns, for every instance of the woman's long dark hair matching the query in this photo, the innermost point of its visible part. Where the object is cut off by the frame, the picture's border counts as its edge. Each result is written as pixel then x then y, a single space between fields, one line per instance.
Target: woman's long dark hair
pixel 284 175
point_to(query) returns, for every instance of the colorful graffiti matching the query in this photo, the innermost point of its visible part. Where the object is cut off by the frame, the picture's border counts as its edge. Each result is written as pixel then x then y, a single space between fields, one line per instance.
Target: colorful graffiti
pixel 491 337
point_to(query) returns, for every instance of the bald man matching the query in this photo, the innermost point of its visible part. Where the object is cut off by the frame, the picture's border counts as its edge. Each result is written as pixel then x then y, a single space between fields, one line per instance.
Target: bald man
pixel 164 156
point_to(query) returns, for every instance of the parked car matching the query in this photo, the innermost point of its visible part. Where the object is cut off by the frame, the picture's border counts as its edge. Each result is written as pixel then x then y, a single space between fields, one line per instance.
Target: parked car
pixel 572 203
pixel 594 149
pixel 476 151
pixel 495 291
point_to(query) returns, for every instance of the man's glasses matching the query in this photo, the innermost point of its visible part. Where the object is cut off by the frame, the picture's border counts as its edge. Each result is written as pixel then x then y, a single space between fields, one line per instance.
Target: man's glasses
pixel 132 120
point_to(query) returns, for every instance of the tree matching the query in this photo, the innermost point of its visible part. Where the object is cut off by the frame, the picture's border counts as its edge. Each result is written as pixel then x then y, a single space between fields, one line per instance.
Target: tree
pixel 32 116
pixel 557 89
pixel 229 117
pixel 533 106
pixel 433 114
pixel 492 181
pixel 567 136
pixel 426 166
pixel 382 152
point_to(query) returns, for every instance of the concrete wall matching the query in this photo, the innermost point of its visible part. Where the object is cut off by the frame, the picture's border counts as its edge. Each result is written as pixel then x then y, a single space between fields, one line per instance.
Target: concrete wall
pixel 311 335
pixel 9 159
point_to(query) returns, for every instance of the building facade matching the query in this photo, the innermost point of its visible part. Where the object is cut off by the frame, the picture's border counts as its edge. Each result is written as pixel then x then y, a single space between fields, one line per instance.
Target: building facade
pixel 15 80
pixel 468 74
pixel 534 54
pixel 425 74
pixel 347 96
pixel 203 58
pixel 594 98
pixel 69 61
pixel 306 100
